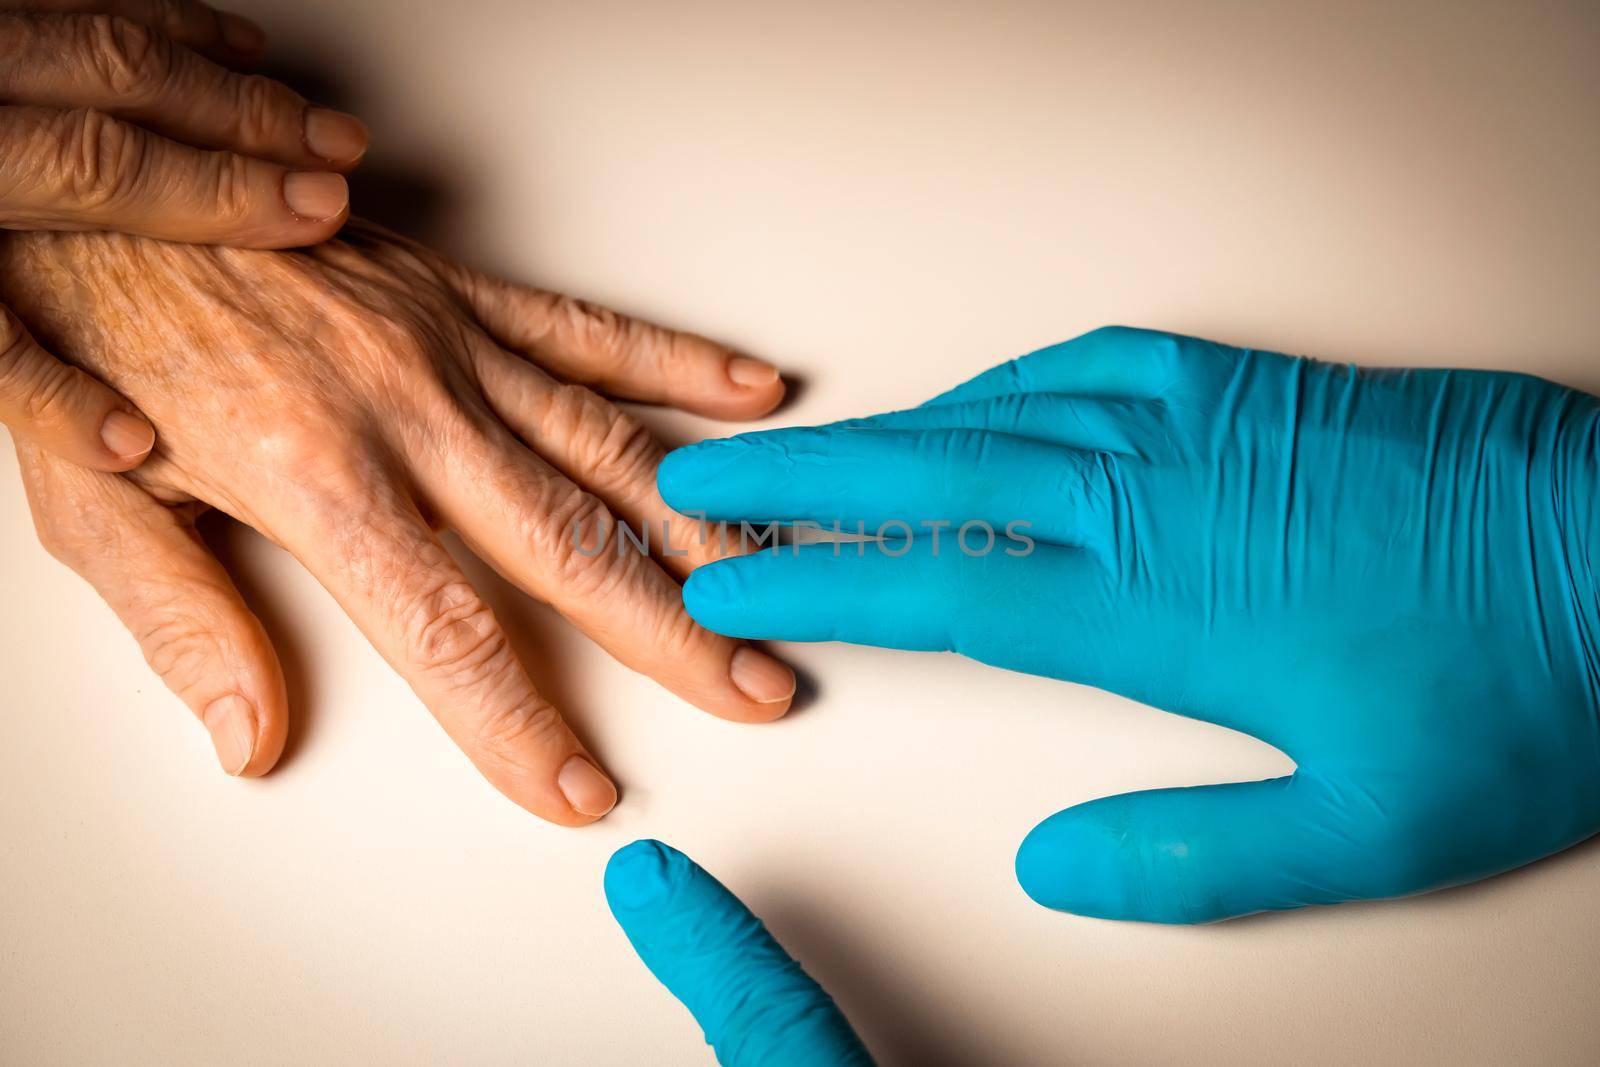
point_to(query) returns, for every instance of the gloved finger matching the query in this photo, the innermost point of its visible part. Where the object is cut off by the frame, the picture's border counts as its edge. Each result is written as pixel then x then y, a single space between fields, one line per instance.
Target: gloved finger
pixel 622 356
pixel 81 169
pixel 1088 423
pixel 597 445
pixel 897 481
pixel 914 596
pixel 174 597
pixel 1113 361
pixel 964 594
pixel 754 1001
pixel 134 73
pixel 222 35
pixel 376 555
pixel 559 543
pixel 1211 852
pixel 62 409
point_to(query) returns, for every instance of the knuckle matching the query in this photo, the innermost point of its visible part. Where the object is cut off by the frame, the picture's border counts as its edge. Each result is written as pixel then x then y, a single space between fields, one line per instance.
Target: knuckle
pixel 42 389
pixel 453 634
pixel 99 161
pixel 597 330
pixel 384 345
pixel 230 189
pixel 15 349
pixel 262 109
pixel 130 59
pixel 47 398
pixel 313 447
pixel 174 647
pixel 530 722
pixel 577 538
pixel 611 446
pixel 677 637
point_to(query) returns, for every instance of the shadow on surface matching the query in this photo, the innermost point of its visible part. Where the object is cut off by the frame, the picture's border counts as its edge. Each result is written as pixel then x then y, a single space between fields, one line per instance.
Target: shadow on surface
pixel 879 1003
pixel 408 195
pixel 537 635
pixel 228 540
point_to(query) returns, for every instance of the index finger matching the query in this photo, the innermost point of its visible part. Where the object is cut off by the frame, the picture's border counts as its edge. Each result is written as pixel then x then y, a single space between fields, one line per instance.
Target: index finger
pixel 84 170
pixel 754 1001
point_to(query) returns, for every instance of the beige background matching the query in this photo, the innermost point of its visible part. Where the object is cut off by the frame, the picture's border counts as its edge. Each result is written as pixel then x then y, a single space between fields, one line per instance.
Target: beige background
pixel 884 198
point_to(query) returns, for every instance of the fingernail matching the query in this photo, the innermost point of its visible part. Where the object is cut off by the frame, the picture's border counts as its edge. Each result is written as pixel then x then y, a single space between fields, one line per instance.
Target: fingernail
pixel 316 195
pixel 747 371
pixel 127 435
pixel 586 789
pixel 242 35
pixel 760 677
pixel 232 722
pixel 335 136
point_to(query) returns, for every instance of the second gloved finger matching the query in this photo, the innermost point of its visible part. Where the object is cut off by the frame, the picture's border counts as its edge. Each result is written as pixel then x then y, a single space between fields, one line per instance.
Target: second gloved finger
pixel 174 597
pixel 131 72
pixel 82 169
pixel 755 1003
pixel 914 596
pixel 896 481
pixel 1204 853
pixel 62 409
pixel 964 593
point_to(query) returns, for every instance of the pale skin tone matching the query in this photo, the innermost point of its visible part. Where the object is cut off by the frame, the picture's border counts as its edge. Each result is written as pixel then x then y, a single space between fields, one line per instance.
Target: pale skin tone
pixel 349 402
pixel 139 116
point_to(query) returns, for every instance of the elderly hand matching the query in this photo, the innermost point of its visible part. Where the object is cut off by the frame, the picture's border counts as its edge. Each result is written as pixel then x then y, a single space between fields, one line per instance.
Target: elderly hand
pixel 345 401
pixel 107 110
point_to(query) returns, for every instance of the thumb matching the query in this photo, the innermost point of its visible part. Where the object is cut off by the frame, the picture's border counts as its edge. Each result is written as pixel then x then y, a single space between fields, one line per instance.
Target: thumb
pixel 1213 852
pixel 62 409
pixel 752 999
pixel 169 590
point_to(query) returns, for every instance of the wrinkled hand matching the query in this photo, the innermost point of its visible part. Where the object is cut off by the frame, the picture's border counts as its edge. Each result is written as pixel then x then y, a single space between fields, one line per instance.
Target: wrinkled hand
pixel 107 111
pixel 346 401
pixel 756 1004
pixel 1387 574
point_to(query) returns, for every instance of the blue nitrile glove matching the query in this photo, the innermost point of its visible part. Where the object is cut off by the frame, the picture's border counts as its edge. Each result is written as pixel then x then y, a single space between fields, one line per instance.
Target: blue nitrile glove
pixel 755 1004
pixel 1388 574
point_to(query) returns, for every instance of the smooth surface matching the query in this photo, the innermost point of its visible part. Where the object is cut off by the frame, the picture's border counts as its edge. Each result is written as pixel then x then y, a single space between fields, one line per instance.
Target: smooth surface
pixel 886 201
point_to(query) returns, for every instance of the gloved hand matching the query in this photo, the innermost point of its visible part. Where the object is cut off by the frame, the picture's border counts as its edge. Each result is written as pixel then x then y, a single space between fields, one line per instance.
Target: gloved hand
pixel 755 1003
pixel 1388 574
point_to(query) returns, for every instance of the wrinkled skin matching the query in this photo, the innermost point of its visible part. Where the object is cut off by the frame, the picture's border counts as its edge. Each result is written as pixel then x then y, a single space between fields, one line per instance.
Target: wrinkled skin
pixel 347 402
pixel 137 116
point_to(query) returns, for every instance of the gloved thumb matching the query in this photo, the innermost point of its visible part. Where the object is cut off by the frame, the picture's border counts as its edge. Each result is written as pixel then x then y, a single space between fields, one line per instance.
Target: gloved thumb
pixel 1213 852
pixel 752 999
